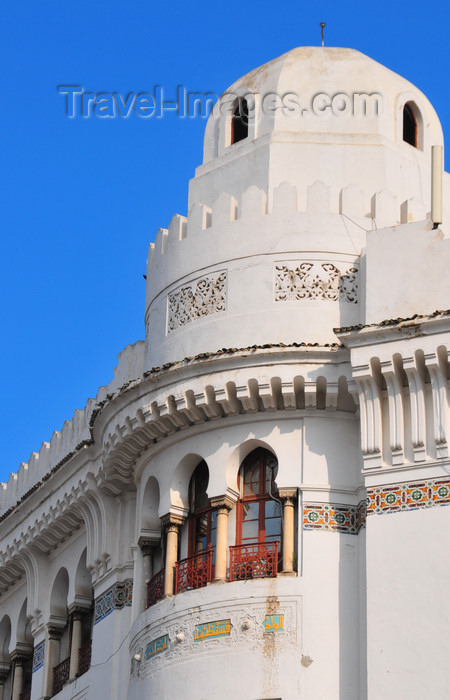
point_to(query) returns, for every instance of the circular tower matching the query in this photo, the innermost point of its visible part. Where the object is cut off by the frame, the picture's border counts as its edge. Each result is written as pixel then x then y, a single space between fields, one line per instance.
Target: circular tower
pixel 255 588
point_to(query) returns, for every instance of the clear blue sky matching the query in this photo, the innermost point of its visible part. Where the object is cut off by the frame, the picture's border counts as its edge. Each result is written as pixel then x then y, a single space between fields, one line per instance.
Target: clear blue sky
pixel 81 199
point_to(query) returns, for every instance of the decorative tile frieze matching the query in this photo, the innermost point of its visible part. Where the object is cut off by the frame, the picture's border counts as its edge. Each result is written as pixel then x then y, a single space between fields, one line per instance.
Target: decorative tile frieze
pixel 240 626
pixel 197 299
pixel 38 656
pixel 408 496
pixel 115 598
pixel 334 517
pixel 316 280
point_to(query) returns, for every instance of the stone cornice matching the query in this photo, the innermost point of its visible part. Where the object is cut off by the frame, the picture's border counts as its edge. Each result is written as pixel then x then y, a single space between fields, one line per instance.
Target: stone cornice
pixel 394 329
pixel 166 417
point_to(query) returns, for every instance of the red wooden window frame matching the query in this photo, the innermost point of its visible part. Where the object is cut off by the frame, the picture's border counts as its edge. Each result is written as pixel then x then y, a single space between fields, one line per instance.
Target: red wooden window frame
pixel 200 508
pixel 262 457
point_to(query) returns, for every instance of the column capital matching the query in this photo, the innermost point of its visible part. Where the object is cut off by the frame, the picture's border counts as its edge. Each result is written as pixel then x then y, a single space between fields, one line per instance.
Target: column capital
pixel 148 544
pixel 55 631
pixel 76 612
pixel 172 521
pixel 222 502
pixel 288 495
pixel 20 656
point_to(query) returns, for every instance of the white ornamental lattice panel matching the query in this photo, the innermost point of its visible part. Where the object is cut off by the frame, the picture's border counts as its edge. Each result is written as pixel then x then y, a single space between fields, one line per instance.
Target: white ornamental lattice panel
pixel 197 299
pixel 316 280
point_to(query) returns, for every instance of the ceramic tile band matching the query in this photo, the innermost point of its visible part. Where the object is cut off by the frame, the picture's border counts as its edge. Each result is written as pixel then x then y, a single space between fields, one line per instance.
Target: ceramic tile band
pixel 408 496
pixel 115 598
pixel 334 517
pixel 38 656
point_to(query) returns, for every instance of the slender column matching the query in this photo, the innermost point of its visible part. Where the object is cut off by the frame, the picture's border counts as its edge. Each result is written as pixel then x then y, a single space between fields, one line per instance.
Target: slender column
pixel 287 497
pixel 172 524
pixel 19 661
pixel 51 658
pixel 147 547
pixel 223 504
pixel 76 614
pixel 3 677
pixel 5 668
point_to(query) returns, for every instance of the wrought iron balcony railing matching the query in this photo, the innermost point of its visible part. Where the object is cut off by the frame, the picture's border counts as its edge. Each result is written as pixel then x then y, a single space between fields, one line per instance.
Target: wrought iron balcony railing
pixel 61 675
pixel 155 588
pixel 85 653
pixel 259 560
pixel 26 693
pixel 193 572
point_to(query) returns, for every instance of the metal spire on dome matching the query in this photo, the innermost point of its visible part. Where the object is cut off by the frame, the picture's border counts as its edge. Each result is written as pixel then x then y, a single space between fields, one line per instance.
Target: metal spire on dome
pixel 322 26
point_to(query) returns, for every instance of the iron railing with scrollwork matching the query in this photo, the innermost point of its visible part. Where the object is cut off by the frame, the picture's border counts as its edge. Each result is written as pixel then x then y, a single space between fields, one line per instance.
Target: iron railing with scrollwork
pixel 259 560
pixel 84 658
pixel 155 588
pixel 193 572
pixel 26 693
pixel 61 675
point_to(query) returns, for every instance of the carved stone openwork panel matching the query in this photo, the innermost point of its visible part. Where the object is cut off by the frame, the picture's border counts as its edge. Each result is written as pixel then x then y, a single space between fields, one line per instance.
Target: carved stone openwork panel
pixel 316 280
pixel 197 299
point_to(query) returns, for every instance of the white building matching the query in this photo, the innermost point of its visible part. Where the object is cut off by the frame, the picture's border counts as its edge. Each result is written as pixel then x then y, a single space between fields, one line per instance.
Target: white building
pixel 255 506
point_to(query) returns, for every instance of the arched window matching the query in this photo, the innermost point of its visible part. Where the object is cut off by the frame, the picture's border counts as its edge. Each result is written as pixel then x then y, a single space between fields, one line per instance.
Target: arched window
pixel 198 568
pixel 239 120
pixel 202 517
pixel 410 128
pixel 258 519
pixel 258 513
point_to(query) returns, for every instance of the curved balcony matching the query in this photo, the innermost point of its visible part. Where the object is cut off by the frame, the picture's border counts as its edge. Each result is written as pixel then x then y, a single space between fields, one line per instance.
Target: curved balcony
pixel 247 561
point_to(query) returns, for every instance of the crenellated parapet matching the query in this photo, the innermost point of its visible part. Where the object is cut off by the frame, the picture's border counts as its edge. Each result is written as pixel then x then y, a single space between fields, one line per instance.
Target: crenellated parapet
pixel 327 210
pixel 252 269
pixel 74 434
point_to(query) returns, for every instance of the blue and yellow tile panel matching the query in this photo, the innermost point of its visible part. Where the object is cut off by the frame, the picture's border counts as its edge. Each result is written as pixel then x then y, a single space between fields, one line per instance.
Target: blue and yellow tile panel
pixel 273 623
pixel 115 598
pixel 157 646
pixel 408 496
pixel 38 656
pixel 212 630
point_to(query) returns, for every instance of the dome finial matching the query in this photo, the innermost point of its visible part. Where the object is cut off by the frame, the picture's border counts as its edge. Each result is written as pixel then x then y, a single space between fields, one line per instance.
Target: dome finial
pixel 322 26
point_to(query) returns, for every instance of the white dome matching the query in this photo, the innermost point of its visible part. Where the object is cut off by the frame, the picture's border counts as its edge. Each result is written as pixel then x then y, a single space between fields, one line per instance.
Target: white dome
pixel 278 218
pixel 306 73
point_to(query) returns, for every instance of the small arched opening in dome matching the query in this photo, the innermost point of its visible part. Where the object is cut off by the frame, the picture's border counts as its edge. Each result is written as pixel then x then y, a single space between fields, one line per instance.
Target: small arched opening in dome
pixel 410 124
pixel 239 120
